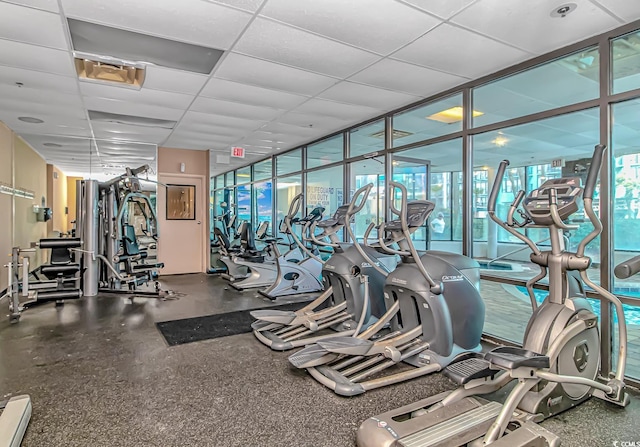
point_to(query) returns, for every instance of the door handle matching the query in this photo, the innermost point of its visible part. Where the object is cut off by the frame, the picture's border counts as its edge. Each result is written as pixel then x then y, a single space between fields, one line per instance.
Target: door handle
pixel 199 222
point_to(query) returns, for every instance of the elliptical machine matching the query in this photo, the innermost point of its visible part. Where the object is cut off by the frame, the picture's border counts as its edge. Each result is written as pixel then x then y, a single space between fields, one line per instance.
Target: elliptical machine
pixel 294 278
pixel 353 279
pixel 433 321
pixel 556 369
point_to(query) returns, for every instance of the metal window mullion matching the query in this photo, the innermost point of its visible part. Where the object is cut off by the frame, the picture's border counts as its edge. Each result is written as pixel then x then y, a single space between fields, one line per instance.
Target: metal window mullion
pixel 467 175
pixel 388 166
pixel 606 208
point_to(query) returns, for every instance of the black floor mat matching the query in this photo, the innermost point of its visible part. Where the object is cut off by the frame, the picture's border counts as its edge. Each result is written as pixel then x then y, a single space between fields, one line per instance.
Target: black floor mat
pixel 188 330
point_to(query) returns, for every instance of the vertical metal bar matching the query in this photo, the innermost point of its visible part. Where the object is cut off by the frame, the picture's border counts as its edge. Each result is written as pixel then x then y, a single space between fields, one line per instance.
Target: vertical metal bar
pixel 606 210
pixel 346 172
pixel 274 192
pixel 388 167
pixel 467 174
pixel 303 179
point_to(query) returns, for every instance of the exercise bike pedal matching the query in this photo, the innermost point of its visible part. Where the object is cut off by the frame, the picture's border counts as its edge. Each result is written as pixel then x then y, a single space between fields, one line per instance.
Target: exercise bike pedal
pixel 468 369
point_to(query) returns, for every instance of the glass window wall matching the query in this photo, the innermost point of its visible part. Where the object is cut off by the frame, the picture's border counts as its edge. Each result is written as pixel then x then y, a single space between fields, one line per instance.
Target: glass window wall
pixel 325 188
pixel 362 173
pixel 428 121
pixel 262 170
pixel 325 152
pixel 565 81
pixel 532 149
pixel 287 189
pixel 443 162
pixel 243 175
pixel 625 54
pixel 263 204
pixel 366 139
pixel 289 162
pixel 230 178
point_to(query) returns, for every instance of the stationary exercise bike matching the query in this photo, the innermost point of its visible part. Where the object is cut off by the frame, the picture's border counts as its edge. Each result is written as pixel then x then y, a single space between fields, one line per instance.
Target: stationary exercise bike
pixel 558 366
pixel 434 310
pixel 353 279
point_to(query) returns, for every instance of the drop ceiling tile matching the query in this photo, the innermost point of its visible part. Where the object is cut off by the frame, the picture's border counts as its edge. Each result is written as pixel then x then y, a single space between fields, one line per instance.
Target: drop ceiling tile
pixel 112 131
pixel 519 23
pixel 193 21
pixel 441 8
pixel 31 98
pixel 302 133
pixel 300 49
pixel 407 78
pixel 32 57
pixel 169 80
pixel 464 53
pixel 192 117
pixel 47 5
pixel 191 143
pixel 365 95
pixel 37 80
pixel 220 107
pixel 312 122
pixel 144 96
pixel 337 109
pixel 249 94
pixel 205 136
pixel 31 26
pixel 267 74
pixel 627 10
pixel 68 107
pixel 210 130
pixel 127 108
pixel 53 125
pixel 355 23
pixel 247 5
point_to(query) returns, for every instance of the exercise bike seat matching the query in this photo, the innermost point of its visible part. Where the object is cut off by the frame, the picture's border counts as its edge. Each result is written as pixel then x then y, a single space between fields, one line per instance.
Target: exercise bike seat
pixel 508 357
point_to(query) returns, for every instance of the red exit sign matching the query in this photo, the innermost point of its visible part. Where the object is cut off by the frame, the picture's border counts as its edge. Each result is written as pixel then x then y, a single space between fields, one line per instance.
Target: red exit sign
pixel 237 152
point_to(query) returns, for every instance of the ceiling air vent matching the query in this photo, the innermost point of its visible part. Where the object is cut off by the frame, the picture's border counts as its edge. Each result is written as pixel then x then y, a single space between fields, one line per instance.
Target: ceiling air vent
pixel 131 120
pixel 105 72
pixel 107 44
pixel 396 134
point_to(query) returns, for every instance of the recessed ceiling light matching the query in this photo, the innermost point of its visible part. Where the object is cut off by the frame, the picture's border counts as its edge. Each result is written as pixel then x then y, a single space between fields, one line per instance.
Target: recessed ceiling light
pixel 562 10
pixel 452 115
pixel 30 119
pixel 52 144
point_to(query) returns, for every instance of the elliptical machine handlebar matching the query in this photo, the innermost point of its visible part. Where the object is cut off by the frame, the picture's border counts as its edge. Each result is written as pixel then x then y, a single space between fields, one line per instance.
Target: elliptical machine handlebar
pixel 594 169
pixel 294 206
pixel 627 268
pixel 352 210
pixel 436 288
pixel 511 222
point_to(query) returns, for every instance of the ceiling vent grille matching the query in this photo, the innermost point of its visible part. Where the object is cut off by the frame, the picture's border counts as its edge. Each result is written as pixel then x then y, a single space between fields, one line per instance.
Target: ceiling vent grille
pixel 104 72
pixel 396 134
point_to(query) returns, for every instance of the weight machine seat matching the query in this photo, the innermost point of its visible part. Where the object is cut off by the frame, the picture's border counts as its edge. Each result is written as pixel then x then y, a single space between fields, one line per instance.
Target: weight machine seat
pixel 159 265
pixel 60 243
pixel 59 269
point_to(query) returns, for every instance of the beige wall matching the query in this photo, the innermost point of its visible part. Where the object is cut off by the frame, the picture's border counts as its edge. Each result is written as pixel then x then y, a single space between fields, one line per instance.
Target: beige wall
pixel 196 164
pixel 56 200
pixel 71 200
pixel 20 167
pixel 6 201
